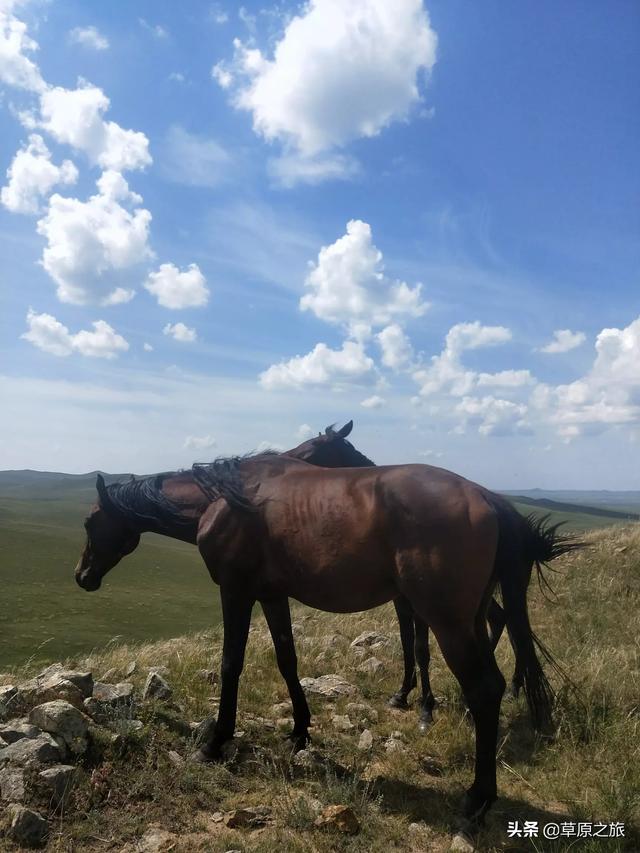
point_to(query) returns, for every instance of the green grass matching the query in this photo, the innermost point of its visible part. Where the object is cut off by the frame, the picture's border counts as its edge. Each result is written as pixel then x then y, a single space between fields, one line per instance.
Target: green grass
pixel 589 771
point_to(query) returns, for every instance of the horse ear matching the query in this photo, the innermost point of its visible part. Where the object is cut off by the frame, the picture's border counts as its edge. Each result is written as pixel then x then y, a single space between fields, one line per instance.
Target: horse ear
pixel 329 431
pixel 346 429
pixel 101 487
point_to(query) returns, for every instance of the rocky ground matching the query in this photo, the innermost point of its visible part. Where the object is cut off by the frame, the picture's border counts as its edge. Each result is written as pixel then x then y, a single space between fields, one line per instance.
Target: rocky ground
pixel 94 754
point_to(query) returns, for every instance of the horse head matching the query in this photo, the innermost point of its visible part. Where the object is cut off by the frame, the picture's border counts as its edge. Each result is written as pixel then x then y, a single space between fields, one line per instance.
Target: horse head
pixel 109 539
pixel 331 450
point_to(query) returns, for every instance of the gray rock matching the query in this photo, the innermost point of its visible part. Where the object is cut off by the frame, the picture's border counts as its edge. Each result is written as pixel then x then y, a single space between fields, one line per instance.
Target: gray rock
pixel 12 784
pixel 342 723
pixel 330 686
pixel 28 827
pixel 462 844
pixel 155 840
pixel 62 719
pixel 204 731
pixel 370 640
pixel 60 779
pixel 156 687
pixel 371 666
pixel 17 729
pixel 131 668
pixel 8 700
pixel 113 694
pixel 57 672
pixel 29 752
pixel 393 744
pixel 281 709
pixel 175 758
pixel 362 713
pixel 366 740
pixel 37 691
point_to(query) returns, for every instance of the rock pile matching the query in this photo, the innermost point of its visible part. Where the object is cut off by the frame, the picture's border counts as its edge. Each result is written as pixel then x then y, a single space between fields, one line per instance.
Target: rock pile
pixel 47 726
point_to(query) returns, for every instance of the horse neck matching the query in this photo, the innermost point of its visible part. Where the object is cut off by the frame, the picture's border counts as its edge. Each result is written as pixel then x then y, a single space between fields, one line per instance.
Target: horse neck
pixel 153 514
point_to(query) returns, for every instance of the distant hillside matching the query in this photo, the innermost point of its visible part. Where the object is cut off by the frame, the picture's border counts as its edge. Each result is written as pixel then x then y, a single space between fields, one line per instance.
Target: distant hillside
pixel 618 500
pixel 556 506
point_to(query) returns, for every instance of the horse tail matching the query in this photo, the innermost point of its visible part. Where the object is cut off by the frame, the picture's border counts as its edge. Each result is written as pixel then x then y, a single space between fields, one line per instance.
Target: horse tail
pixel 523 543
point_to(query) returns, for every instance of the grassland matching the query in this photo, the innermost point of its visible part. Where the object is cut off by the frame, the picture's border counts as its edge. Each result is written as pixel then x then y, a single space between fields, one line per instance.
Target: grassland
pixel 405 800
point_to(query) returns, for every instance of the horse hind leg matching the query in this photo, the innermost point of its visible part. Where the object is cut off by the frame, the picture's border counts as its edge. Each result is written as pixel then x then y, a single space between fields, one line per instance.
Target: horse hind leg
pixel 497 621
pixel 404 612
pixel 427 700
pixel 278 616
pixel 469 655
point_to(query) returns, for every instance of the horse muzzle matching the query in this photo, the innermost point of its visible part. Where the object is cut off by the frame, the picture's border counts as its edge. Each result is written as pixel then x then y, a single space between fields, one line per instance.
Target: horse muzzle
pixel 88 580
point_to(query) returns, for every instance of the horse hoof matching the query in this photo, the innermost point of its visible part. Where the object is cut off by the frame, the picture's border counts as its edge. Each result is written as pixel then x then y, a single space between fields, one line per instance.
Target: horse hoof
pixel 299 741
pixel 425 723
pixel 202 757
pixel 398 702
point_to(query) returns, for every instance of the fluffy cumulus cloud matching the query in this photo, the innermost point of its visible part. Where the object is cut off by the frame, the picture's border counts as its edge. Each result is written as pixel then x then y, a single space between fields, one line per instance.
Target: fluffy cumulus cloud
pixel 348 284
pixel 396 347
pixel 446 373
pixel 32 176
pixel 321 366
pixel 16 68
pixel 339 72
pixel 92 245
pixel 75 117
pixel 178 289
pixel 506 379
pixel 180 332
pixel 563 341
pixel 374 402
pixel 49 335
pixel 608 395
pixel 199 442
pixel 89 37
pixel 491 415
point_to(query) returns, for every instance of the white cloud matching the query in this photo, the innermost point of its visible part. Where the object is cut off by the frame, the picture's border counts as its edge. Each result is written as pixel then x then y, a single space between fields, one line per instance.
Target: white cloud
pixel 92 244
pixel 194 160
pixel 16 69
pixel 608 395
pixel 119 296
pixel 492 416
pixel 217 14
pixel 89 37
pixel 446 371
pixel 321 366
pixel 176 289
pixel 32 175
pixel 304 431
pixel 204 442
pixel 180 332
pixel 396 347
pixel 74 117
pixel 49 335
pixel 506 378
pixel 147 347
pixel 348 284
pixel 156 30
pixel 340 71
pixel 292 169
pixel 374 402
pixel 564 340
pixel 222 76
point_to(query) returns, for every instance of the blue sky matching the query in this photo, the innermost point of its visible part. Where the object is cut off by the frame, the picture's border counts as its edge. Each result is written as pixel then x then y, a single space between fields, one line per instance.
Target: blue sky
pixel 228 227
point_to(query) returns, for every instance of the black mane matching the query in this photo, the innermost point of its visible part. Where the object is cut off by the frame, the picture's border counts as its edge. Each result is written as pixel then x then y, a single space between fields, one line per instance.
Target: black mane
pixel 358 460
pixel 141 499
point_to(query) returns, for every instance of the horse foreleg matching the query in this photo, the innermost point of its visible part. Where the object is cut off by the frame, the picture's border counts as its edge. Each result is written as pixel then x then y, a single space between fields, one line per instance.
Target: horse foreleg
pixel 404 612
pixel 278 618
pixel 236 612
pixel 470 658
pixel 427 700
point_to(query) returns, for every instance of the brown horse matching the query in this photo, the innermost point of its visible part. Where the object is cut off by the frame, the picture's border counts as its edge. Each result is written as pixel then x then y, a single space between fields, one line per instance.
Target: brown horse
pixel 269 527
pixel 332 450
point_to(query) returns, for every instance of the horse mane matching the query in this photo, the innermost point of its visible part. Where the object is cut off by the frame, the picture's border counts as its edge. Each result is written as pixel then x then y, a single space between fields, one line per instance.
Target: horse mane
pixel 142 499
pixel 357 459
